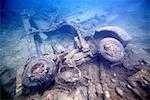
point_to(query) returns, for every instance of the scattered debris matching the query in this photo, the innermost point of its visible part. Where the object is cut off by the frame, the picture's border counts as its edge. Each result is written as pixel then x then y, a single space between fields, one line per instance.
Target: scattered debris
pixel 140 81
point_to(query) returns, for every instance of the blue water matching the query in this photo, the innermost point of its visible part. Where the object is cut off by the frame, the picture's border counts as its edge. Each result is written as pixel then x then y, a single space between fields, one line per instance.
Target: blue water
pixel 131 15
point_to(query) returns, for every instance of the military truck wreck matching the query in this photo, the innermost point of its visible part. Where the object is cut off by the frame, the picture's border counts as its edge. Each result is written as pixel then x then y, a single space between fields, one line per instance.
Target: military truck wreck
pixel 85 68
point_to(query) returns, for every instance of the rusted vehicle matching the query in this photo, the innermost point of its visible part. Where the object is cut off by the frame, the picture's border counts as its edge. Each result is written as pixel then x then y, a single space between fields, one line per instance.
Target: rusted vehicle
pixel 64 58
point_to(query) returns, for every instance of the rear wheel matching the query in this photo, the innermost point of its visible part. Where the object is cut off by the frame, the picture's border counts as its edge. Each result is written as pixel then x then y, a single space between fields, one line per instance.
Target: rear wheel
pixel 38 72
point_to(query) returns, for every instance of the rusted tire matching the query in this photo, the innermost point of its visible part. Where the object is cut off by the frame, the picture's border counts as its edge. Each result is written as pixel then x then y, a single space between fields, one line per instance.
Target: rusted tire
pixel 111 49
pixel 38 73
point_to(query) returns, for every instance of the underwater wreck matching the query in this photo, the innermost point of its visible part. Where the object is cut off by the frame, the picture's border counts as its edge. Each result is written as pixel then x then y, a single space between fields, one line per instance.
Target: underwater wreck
pixel 92 63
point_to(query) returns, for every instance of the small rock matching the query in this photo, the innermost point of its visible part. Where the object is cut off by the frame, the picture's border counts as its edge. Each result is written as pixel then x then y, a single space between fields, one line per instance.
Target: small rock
pixel 99 88
pixel 19 89
pixel 119 91
pixel 129 86
pixel 145 82
pixel 113 80
pixel 142 63
pixel 122 83
pixel 114 75
pixel 43 36
pixel 106 94
pixel 50 96
pixel 133 84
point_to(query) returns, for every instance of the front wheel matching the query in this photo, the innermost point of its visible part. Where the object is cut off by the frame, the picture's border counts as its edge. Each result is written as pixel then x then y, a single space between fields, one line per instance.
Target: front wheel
pixel 111 49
